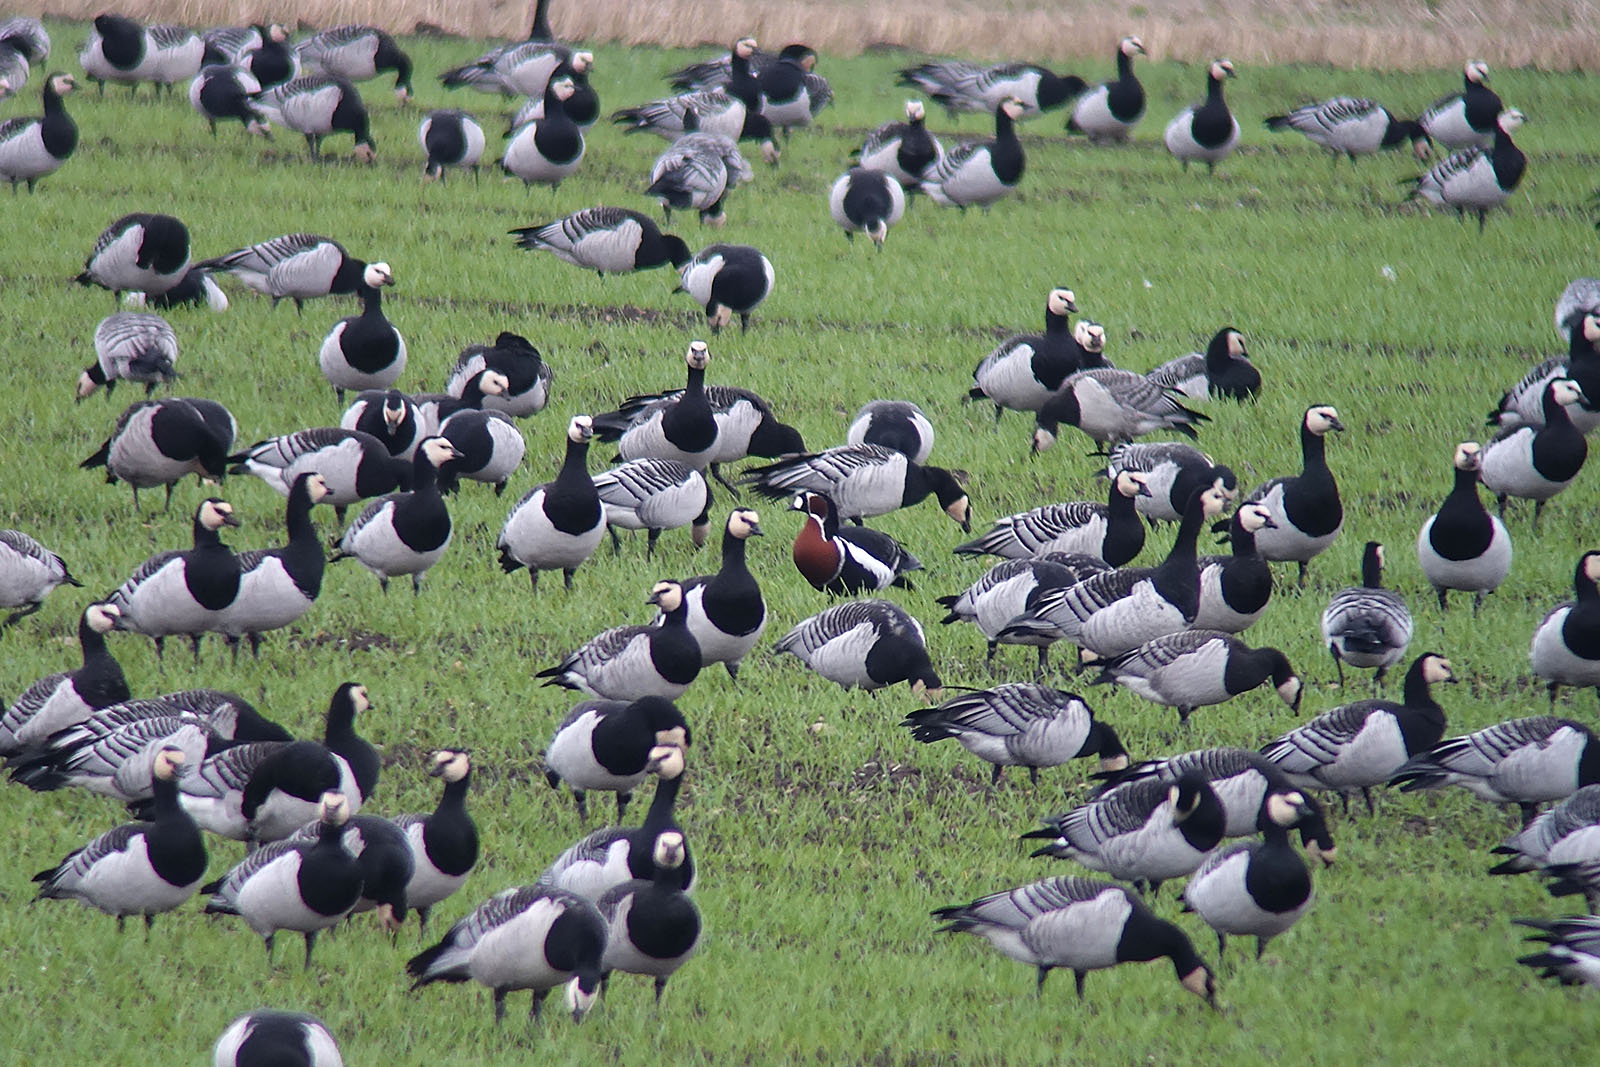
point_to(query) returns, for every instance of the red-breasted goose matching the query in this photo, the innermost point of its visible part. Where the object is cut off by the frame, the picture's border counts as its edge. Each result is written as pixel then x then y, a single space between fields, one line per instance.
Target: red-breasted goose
pixel 845 560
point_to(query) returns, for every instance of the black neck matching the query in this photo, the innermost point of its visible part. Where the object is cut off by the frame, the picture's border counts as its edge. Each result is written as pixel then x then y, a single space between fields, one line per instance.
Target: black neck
pixel 659 817
pixel 1371 568
pixel 1417 694
pixel 1313 450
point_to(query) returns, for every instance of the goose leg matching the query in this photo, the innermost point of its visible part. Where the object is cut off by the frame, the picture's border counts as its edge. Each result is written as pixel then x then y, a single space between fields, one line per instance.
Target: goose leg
pixel 1038 985
pixel 581 799
pixel 994 775
pixel 24 613
pixel 1338 663
pixel 1366 794
pixel 536 1009
pixel 499 1006
pixel 622 805
pixel 1078 977
pixel 1222 946
pixel 616 542
pixel 311 943
pixel 566 576
pixel 661 987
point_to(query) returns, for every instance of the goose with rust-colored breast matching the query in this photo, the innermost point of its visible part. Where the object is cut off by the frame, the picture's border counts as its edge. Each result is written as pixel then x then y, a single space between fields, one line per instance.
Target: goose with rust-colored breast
pixel 845 560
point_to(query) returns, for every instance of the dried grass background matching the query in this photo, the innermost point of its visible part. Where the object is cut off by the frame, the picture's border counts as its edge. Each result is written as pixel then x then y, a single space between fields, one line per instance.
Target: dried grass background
pixel 1406 34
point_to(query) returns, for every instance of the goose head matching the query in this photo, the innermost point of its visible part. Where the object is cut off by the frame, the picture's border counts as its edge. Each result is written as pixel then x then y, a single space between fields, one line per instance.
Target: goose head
pixel 744 523
pixel 317 488
pixel 1468 456
pixel 1133 484
pixel 744 47
pixel 580 430
pixel 1013 108
pixel 915 112
pixel 698 356
pixel 333 809
pixel 1322 418
pixel 669 851
pixel 62 84
pixel 1437 669
pixel 668 596
pixel 451 764
pixel 1476 71
pixel 1510 121
pixel 1091 336
pixel 215 514
pixel 1131 46
pixel 1222 69
pixel 168 763
pixel 377 275
pixel 102 618
pixel 1061 301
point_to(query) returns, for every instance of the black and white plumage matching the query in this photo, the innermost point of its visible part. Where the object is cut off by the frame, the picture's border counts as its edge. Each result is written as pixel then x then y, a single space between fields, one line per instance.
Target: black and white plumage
pixel 183 593
pixel 678 426
pixel 703 111
pixel 745 425
pixel 629 662
pixel 390 417
pixel 386 861
pixel 1234 589
pixel 1351 127
pixel 654 495
pixel 196 289
pixel 1024 371
pixel 869 644
pixel 583 106
pixel 1224 369
pixel 547 150
pixel 1110 531
pixel 123 51
pixel 1580 298
pixel 23 42
pixel 845 560
pixel 1524 762
pixel 220 93
pixel 353 465
pixel 1012 589
pixel 1363 744
pixel 434 408
pixel 1367 625
pixel 1568 835
pixel 902 150
pixel 726 611
pixel 57 701
pixel 727 280
pixel 867 201
pixel 863 481
pixel 1478 179
pixel 450 137
pixel 696 174
pixel 1173 473
pixel 405 533
pixel 606 239
pixel 1523 403
pixel 967 87
pixel 897 424
pixel 318 105
pixel 296 266
pixel 288 1039
pixel 1465 119
pixel 512 356
pixel 139 253
pixel 1306 506
pixel 653 926
pixel 1109 111
pixel 1206 132
pixel 29 572
pixel 357 53
pixel 1111 406
pixel 558 525
pixel 608 857
pixel 1196 668
pixel 130 346
pixel 157 442
pixel 1021 725
pixel 1570 952
pixel 980 172
pixel 1258 889
pixel 612 746
pixel 1462 546
pixel 490 444
pixel 278 585
pixel 518 68
pixel 792 94
pixel 444 843
pixel 34 148
pixel 270 60
pixel 1566 644
pixel 1538 462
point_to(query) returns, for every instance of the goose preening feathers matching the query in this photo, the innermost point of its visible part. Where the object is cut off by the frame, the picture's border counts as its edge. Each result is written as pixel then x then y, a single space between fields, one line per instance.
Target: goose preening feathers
pixel 865 643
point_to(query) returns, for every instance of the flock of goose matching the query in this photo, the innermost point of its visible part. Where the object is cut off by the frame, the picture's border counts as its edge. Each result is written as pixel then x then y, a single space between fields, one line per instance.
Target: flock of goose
pixel 620 899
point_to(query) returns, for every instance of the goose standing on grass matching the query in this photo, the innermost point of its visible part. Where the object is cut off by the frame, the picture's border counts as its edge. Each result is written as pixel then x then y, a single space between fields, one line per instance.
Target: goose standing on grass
pixel 1580 298
pixel 896 424
pixel 1196 668
pixel 610 856
pixel 490 444
pixel 1537 462
pixel 296 266
pixel 1258 889
pixel 434 408
pixel 653 926
pixel 1569 833
pixel 902 150
pixel 630 662
pixel 197 289
pixel 696 174
pixel 612 746
pixel 1367 625
pixel 1173 473
pixel 389 417
pixel 863 481
pixel 353 466
pixel 605 239
pixel 1465 119
pixel 791 94
pixel 23 42
pixel 1021 725
pixel 1306 507
pixel 703 111
pixel 557 525
pixel 1206 132
pixel 654 495
pixel 1234 589
pixel 1109 111
pixel 183 593
pixel 867 643
pixel 29 572
pixel 1571 949
pixel 387 867
pixel 157 442
pixel 1224 369
pixel 316 106
pixel 1478 179
pixel 450 138
pixel 727 280
pixel 1566 643
pixel 1010 589
pixel 404 533
pixel 130 346
pixel 513 357
pixel 726 611
pixel 980 172
pixel 35 148
pixel 1363 744
pixel 444 843
pixel 1024 371
pixel 60 700
pixel 1523 403
pixel 1111 406
pixel 678 427
pixel 549 149
pixel 846 560
pixel 866 201
pixel 140 253
pixel 270 60
pixel 278 585
pixel 281 1037
pixel 123 51
pixel 1524 762
pixel 221 93
pixel 1350 127
pixel 967 87
pixel 357 53
pixel 1462 546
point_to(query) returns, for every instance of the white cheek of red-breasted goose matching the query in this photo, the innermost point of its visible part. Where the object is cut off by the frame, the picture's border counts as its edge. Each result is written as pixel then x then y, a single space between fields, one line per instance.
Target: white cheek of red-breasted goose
pixel 123 51
pixel 299 886
pixel 490 444
pixel 967 87
pixel 223 93
pixel 714 111
pixel 130 346
pixel 980 172
pixel 405 533
pixel 1524 762
pixel 866 201
pixel 612 746
pixel 679 426
pixel 1536 463
pixel 1082 925
pixel 1258 889
pixel 142 868
pixel 318 106
pixel 1223 369
pixel 727 280
pixel 138 253
pixel 1350 127
pixel 34 148
pixel 868 644
pixel 1114 611
pixel 1367 625
pixel 296 266
pixel 1465 119
pixel 1570 952
pixel 1021 725
pixel 1581 297
pixel 177 593
pixel 653 925
pixel 902 150
pixel 1462 546
pixel 845 560
pixel 1566 643
pixel 1363 744
pixel 519 68
pixel 1567 834
pixel 450 138
pixel 726 611
pixel 354 466
pixel 1024 371
pixel 444 842
pixel 157 442
pixel 1235 589
pixel 654 495
pixel 1108 112
pixel 278 585
pixel 558 525
pixel 547 151
pixel 1009 590
pixel 1523 403
pixel 513 357
pixel 1306 506
pixel 1205 132
pixel 1197 668
pixel 606 240
pixel 1478 180
pixel 364 351
pixel 357 53
pixel 264 1036
pixel 695 174
pixel 389 416
pixel 387 865
pixel 629 662
pixel 1111 406
pixel 863 481
pixel 897 424
pixel 1110 532
pixel 1146 832
pixel 29 572
pixel 1173 472
pixel 60 700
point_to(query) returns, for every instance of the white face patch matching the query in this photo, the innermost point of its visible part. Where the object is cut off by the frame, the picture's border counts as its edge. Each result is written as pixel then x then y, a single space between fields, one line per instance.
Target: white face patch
pixel 1591 327
pixel 669 850
pixel 439 451
pixel 1437 669
pixel 1591 566
pixel 359 699
pixel 1254 517
pixel 333 809
pixel 1511 121
pixel 671 765
pixel 102 617
pixel 1235 344
pixel 1567 391
pixel 1381 563
pixel 1132 46
pixel 1214 501
pixel 914 110
pixel 1289 691
pixel 580 429
pixel 1012 107
pixel 1466 457
pixel 698 355
pixel 1320 420
pixel 1221 69
pixel 1061 302
pixel 1477 71
pixel 743 523
pixel 564 89
pixel 746 47
pixel 1131 483
pixel 667 595
pixel 579 1002
pixel 317 488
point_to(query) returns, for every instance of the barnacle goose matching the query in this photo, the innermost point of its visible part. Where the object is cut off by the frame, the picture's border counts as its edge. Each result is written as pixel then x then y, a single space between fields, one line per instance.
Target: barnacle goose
pixel 1011 589
pixel 1206 132
pixel 434 408
pixel 1111 406
pixel 221 93
pixel 353 466
pixel 897 424
pixel 490 444
pixel 654 495
pixel 608 857
pixel 1110 531
pixel 845 560
pixel 547 150
pixel 28 573
pixel 1465 119
pixel 866 201
pixel 1192 669
pixel 583 106
pixel 197 289
pixel 1478 179
pixel 745 425
pixel 629 662
pixel 791 92
pixel 1462 546
pixel 183 593
pixel 1566 643
pixel 278 585
pixel 902 150
pixel 1367 625
pixel 296 266
pixel 1110 110
pixel 1568 833
pixel 1081 924
pixel 696 173
pixel 966 87
pixel 444 843
pixel 511 355
pixel 559 524
pixel 980 172
pixel 450 137
pixel 1537 462
pixel 279 1037
pixel 141 868
pixel 34 148
pixel 1354 127
pixel 1024 371
pixel 1580 298
pixel 140 253
pixel 518 68
pixel 357 53
pixel 1571 952
pixel 317 105
pixel 23 41
pixel 390 417
pixel 157 442
pixel 1258 889
pixel 612 746
pixel 679 426
pixel 130 346
pixel 1173 473
pixel 57 701
pixel 404 533
pixel 1021 725
pixel 867 643
pixel 605 239
pixel 725 280
pixel 1523 403
pixel 1224 369
pixel 1362 744
pixel 270 60
pixel 726 611
pixel 863 481
pixel 653 926
pixel 1234 589
pixel 1523 762
pixel 386 861
pixel 121 50
pixel 1306 506
pixel 703 111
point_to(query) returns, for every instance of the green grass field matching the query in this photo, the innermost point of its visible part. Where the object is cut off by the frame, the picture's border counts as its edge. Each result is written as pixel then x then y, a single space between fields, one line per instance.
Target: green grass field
pixel 824 833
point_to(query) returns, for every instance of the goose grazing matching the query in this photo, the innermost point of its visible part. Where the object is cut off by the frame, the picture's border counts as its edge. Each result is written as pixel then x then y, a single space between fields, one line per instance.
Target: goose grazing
pixel 1566 643
pixel 653 926
pixel 157 442
pixel 1537 462
pixel 121 50
pixel 605 239
pixel 404 533
pixel 1110 532
pixel 866 201
pixel 654 495
pixel 896 424
pixel 1567 834
pixel 444 843
pixel 1462 546
pixel 1206 132
pixel 1306 507
pixel 1021 725
pixel 1349 127
pixel 301 886
pixel 966 87
pixel 317 105
pixel 197 289
pixel 1234 590
pixel 450 138
pixel 1363 744
pixel 1024 371
pixel 629 662
pixel 357 53
pixel 353 466
pixel 390 417
pixel 726 611
pixel 1108 112
pixel 1080 924
pixel 1367 625
pixel 791 93
pixel 1173 473
pixel 1112 406
pixel 1011 589
pixel 384 856
pixel 612 746
pixel 1224 369
pixel 703 111
pixel 280 1037
pixel 130 346
pixel 532 937
pixel 1258 889
pixel 296 266
pixel 221 93
pixel 514 358
pixel 183 593
pixel 278 585
pixel 727 280
pixel 1523 403
pixel 846 560
pixel 606 858
pixel 35 148
pixel 867 643
pixel 1524 762
pixel 1570 952
pixel 140 253
pixel 902 150
pixel 1192 669
pixel 863 481
pixel 559 524
pixel 60 700
pixel 490 444
pixel 1465 119
pixel 549 149
pixel 980 172
pixel 28 573
pixel 696 174
pixel 1478 179
pixel 678 427
pixel 141 868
